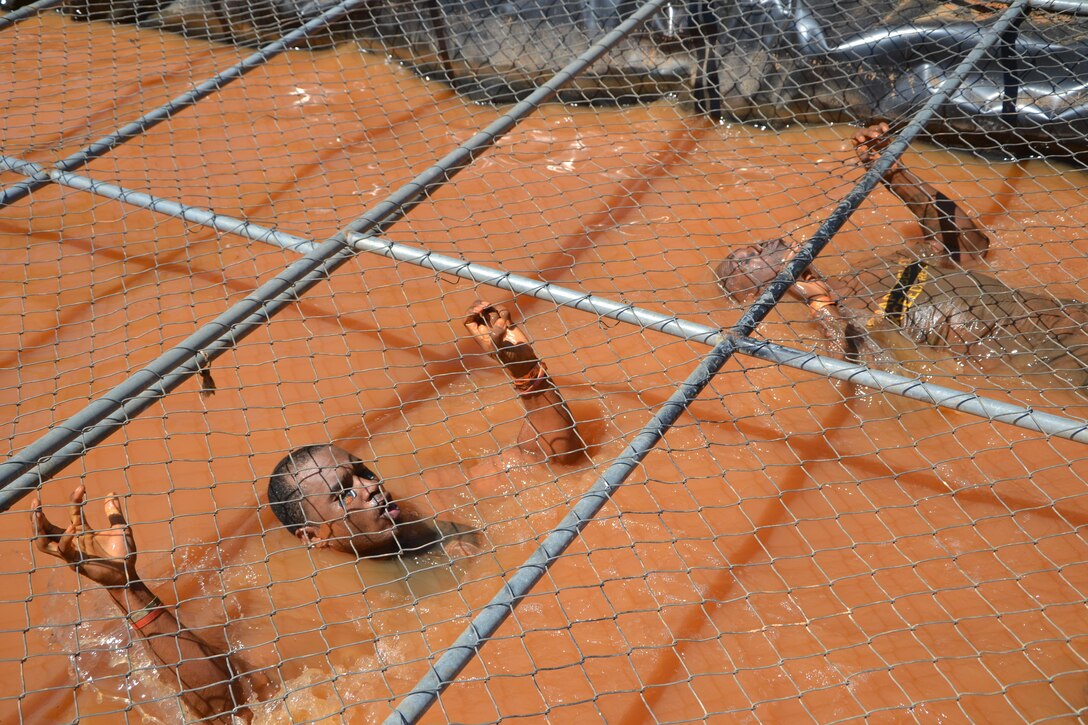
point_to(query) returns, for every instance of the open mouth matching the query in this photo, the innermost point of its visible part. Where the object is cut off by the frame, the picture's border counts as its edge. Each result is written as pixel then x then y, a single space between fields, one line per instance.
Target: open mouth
pixel 386 506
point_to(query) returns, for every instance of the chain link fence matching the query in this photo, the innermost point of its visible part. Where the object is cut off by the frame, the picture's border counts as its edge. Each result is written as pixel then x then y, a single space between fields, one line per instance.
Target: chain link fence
pixel 830 477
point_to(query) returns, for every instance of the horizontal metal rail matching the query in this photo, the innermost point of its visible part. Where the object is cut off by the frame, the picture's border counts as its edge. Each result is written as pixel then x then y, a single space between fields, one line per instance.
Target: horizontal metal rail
pixel 41 461
pixel 858 374
pixel 168 371
pixel 126 133
pixel 65 443
pixel 965 401
pixel 915 388
pixel 1067 7
pixel 168 207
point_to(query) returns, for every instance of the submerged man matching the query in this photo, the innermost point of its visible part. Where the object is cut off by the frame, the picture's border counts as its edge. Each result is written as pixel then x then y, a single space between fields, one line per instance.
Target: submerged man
pixel 325 496
pixel 925 294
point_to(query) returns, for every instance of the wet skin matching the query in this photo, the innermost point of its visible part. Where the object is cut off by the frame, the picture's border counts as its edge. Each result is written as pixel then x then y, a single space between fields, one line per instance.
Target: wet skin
pixel 925 293
pixel 346 506
pixel 347 509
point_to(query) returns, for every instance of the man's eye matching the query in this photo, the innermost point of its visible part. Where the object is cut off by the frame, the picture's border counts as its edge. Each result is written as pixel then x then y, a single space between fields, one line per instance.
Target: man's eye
pixel 363 472
pixel 347 494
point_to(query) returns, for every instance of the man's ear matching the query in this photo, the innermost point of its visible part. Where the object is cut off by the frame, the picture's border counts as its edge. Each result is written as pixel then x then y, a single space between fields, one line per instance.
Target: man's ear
pixel 312 536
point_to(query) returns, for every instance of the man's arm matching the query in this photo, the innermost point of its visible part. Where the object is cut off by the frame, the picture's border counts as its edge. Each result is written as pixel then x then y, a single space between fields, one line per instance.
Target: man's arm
pixel 549 427
pixel 947 228
pixel 207 681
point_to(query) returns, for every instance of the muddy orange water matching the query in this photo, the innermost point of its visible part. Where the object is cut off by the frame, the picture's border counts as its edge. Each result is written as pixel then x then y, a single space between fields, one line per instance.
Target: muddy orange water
pixel 796 549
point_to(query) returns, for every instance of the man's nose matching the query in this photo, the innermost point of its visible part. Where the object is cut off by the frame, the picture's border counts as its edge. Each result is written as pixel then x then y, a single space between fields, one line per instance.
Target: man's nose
pixel 369 489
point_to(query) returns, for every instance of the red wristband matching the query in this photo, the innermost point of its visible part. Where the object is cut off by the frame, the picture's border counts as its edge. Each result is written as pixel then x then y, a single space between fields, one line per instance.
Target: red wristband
pixel 149 618
pixel 148 614
pixel 533 381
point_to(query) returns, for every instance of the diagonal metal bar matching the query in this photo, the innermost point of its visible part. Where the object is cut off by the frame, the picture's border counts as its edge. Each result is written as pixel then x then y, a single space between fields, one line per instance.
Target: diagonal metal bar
pixel 515 589
pixel 454 659
pixel 858 374
pixel 65 443
pixel 168 207
pixel 915 388
pixel 126 133
pixel 27 11
pixel 845 209
pixel 1067 7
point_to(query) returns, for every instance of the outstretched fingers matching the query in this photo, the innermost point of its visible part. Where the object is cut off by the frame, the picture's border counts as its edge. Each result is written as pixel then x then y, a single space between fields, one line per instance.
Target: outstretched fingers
pixel 82 535
pixel 46 533
pixel 105 556
pixel 52 539
pixel 76 519
pixel 119 523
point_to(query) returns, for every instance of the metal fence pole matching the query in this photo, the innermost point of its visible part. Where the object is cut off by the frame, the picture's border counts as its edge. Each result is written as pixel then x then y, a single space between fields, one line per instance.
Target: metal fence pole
pixel 167 207
pixel 962 401
pixel 856 373
pixel 917 389
pixel 501 606
pixel 166 111
pixel 914 388
pixel 845 209
pixel 27 11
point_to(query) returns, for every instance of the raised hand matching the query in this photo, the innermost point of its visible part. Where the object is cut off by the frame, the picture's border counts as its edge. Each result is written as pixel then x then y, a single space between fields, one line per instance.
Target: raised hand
pixel 549 426
pixel 950 233
pixel 499 335
pixel 106 557
pixel 870 142
pixel 212 688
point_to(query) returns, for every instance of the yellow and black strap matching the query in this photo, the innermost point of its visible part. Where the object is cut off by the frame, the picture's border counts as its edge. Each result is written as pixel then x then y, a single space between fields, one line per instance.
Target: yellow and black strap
pixel 908 285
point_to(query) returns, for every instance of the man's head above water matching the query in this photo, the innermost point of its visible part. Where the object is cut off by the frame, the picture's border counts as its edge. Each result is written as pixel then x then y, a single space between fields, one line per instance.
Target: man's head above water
pixel 327 496
pixel 746 271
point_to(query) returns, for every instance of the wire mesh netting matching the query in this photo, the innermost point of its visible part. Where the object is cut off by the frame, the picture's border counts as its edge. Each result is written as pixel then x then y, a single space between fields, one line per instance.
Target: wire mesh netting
pixel 664 477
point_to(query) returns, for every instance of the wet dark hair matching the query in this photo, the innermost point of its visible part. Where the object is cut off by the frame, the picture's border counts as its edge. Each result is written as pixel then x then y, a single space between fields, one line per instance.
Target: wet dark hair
pixel 284 493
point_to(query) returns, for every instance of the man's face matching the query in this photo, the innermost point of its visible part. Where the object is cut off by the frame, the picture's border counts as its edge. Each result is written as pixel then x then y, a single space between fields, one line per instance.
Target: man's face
pixel 345 504
pixel 747 270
